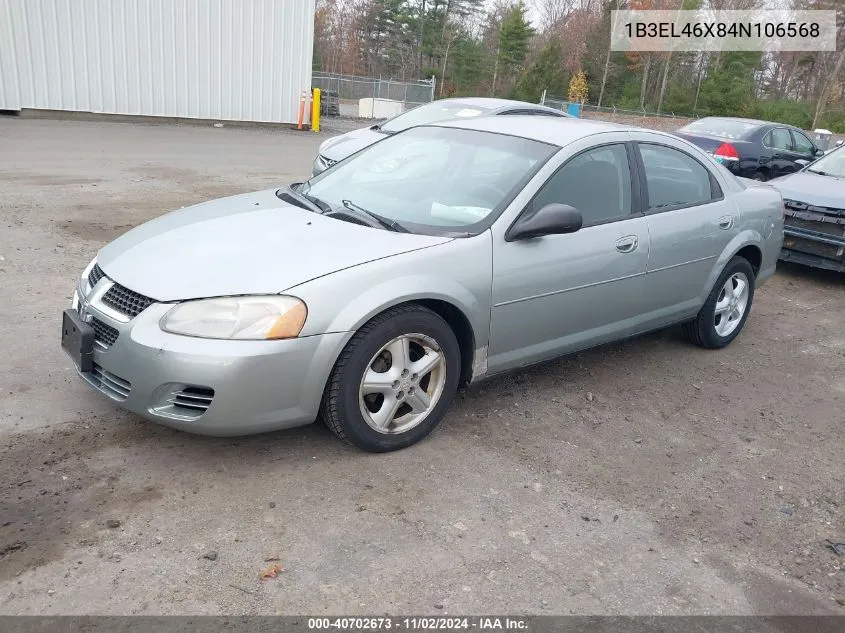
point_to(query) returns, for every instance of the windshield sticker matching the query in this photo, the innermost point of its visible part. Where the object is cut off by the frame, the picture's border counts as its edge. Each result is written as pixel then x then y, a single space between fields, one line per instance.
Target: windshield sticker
pixel 461 214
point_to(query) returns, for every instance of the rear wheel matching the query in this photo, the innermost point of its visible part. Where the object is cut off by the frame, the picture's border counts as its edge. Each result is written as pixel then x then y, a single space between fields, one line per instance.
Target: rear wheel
pixel 726 310
pixel 394 380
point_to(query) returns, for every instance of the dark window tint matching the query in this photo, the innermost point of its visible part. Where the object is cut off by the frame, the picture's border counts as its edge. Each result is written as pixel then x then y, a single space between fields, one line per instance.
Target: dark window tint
pixel 596 182
pixel 779 139
pixel 803 145
pixel 674 178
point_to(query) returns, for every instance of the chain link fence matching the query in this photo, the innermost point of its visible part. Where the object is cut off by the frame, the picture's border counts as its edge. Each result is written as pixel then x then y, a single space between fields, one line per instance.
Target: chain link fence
pixel 563 104
pixel 341 93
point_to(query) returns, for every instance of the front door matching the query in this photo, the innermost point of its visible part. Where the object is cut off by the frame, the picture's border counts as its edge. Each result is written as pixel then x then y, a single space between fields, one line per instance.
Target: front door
pixel 804 148
pixel 779 142
pixel 559 293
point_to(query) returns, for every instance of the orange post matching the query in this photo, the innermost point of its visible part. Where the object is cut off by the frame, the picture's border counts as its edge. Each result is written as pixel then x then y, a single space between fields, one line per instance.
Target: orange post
pixel 301 111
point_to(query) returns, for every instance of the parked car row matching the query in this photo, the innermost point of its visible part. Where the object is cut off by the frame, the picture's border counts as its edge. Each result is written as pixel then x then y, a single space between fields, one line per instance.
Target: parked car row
pixel 748 148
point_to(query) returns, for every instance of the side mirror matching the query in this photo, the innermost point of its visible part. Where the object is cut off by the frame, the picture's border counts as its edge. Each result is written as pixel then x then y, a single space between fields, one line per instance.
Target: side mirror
pixel 802 162
pixel 552 219
pixel 819 152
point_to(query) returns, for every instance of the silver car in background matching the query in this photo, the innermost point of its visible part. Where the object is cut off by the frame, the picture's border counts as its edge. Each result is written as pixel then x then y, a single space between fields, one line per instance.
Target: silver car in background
pixel 339 147
pixel 440 256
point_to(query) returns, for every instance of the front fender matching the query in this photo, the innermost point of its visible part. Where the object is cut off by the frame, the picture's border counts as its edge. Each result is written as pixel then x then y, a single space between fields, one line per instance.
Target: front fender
pixel 458 272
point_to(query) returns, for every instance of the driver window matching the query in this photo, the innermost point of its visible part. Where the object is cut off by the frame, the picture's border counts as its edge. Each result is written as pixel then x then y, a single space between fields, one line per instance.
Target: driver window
pixel 596 182
pixel 802 143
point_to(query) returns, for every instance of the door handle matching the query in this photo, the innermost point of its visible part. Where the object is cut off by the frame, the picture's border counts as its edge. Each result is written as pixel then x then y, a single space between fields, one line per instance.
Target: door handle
pixel 726 222
pixel 627 244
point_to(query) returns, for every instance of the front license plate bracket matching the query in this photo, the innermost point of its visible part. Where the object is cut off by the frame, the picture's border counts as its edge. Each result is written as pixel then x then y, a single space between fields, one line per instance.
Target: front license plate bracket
pixel 78 340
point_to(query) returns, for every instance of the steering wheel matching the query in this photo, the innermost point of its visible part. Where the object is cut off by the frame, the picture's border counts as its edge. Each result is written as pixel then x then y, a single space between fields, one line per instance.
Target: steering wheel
pixel 488 193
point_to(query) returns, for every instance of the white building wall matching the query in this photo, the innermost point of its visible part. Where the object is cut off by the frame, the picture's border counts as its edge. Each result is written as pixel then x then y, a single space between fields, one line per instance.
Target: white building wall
pixel 241 60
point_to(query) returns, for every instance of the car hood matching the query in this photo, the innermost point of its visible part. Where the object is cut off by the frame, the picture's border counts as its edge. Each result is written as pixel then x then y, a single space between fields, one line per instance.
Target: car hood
pixel 247 244
pixel 340 147
pixel 813 189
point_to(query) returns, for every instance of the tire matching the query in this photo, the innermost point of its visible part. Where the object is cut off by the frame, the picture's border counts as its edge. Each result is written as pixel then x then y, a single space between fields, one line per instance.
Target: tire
pixel 759 175
pixel 388 412
pixel 705 329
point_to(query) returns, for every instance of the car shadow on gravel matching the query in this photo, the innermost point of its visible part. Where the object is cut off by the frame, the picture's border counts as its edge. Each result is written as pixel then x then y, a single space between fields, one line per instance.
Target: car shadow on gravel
pixel 809 274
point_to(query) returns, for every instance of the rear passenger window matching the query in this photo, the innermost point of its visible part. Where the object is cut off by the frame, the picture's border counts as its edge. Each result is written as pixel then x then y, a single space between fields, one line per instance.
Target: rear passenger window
pixel 778 139
pixel 674 179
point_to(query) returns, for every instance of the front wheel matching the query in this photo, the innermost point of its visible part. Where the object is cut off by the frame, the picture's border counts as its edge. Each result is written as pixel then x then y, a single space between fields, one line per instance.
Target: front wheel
pixel 726 310
pixel 394 380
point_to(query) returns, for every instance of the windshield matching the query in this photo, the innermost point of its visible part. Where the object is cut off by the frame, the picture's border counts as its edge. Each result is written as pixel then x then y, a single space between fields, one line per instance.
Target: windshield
pixel 431 113
pixel 832 164
pixel 723 128
pixel 439 178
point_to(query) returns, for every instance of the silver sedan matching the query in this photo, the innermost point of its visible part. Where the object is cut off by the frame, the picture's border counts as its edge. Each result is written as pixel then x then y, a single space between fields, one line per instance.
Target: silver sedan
pixel 437 257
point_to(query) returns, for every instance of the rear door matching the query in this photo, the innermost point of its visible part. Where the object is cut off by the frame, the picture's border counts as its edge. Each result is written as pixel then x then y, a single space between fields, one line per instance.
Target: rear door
pixel 690 223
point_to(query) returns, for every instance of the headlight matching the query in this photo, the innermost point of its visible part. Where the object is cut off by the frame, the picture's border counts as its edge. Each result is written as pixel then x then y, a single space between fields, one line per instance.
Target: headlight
pixel 241 318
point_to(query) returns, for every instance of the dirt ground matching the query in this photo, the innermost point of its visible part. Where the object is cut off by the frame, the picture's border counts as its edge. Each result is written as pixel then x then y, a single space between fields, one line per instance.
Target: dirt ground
pixel 649 477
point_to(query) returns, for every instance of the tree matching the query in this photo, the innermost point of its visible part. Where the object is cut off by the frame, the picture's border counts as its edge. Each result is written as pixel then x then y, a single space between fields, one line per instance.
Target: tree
pixel 515 32
pixel 578 90
pixel 544 73
pixel 729 90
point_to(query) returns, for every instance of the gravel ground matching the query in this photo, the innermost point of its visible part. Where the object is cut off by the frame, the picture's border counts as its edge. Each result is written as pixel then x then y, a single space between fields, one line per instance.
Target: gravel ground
pixel 648 477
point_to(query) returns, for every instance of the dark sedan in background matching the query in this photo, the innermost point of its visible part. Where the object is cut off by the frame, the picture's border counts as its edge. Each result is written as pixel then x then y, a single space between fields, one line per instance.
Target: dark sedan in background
pixel 814 201
pixel 760 150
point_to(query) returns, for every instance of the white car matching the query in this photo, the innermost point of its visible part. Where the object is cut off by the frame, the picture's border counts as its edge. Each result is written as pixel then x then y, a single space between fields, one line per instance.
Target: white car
pixel 339 147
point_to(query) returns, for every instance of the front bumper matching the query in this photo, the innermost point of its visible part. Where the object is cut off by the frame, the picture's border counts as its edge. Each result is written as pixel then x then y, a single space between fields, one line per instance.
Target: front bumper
pixel 210 387
pixel 814 237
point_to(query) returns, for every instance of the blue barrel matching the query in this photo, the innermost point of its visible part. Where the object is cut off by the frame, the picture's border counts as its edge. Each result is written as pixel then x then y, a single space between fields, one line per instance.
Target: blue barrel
pixel 574 109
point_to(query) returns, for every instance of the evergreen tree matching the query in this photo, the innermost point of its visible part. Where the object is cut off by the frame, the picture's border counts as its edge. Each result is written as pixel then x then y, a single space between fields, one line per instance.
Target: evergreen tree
pixel 545 73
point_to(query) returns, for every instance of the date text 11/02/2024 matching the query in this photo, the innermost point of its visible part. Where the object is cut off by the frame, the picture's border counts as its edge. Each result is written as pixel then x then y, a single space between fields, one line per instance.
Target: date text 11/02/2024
pixel 491 623
pixel 722 29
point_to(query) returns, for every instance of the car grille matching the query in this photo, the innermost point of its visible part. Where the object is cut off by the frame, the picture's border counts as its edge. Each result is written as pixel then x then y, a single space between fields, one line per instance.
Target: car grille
pixel 95 275
pixel 104 333
pixel 820 227
pixel 110 384
pixel 126 301
pixel 192 400
pixel 822 220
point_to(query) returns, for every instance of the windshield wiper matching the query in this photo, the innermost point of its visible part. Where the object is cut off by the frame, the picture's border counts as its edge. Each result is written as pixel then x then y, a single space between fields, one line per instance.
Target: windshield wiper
pixel 816 171
pixel 387 223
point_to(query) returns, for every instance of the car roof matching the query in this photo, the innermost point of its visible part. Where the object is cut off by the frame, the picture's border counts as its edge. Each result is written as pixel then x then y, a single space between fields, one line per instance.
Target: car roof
pixel 756 122
pixel 490 103
pixel 558 130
